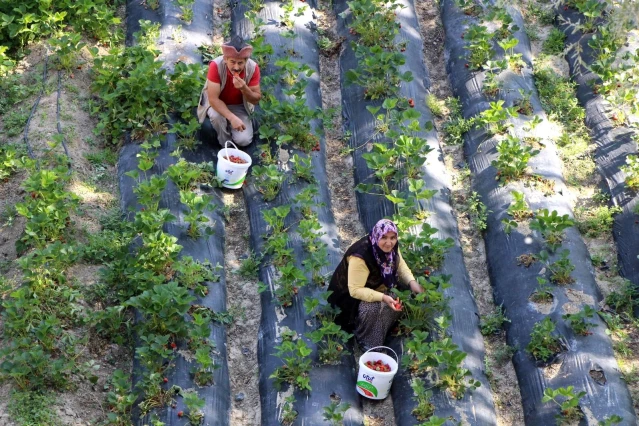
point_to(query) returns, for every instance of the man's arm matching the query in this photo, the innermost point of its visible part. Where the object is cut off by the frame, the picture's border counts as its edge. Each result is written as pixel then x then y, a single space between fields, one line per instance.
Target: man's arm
pixel 213 91
pixel 252 94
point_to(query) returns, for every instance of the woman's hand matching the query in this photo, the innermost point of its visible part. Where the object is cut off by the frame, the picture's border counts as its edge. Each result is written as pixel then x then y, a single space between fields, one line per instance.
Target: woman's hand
pixel 415 287
pixel 392 303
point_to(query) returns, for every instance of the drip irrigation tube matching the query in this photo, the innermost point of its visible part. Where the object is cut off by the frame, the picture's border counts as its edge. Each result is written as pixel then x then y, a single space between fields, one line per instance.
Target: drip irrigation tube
pixel 327 381
pixel 217 396
pixel 614 143
pixel 476 407
pixel 588 364
pixel 34 107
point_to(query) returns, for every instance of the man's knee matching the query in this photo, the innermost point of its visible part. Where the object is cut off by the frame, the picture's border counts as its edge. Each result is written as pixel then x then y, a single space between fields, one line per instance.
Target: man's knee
pixel 243 138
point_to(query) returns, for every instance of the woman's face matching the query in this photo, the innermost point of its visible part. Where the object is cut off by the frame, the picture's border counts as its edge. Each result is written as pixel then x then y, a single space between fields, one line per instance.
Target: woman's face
pixel 387 242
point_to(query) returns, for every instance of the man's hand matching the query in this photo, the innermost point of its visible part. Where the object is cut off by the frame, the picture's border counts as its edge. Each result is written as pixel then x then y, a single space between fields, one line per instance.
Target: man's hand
pixel 238 82
pixel 237 124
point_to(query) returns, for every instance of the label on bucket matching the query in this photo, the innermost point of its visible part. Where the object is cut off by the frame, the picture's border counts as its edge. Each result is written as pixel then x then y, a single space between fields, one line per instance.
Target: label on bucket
pixel 368 389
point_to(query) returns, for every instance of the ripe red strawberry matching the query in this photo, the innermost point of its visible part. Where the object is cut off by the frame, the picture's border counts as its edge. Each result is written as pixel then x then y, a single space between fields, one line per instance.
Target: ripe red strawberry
pixel 165 380
pixel 180 413
pixel 173 345
pixel 466 65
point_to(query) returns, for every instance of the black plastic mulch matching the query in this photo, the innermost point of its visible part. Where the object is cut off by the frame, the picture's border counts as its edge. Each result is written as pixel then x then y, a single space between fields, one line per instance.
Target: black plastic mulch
pixel 585 357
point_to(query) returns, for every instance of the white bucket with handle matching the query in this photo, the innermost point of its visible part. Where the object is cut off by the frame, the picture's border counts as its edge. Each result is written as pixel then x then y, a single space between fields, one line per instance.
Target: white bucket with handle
pixel 376 384
pixel 232 174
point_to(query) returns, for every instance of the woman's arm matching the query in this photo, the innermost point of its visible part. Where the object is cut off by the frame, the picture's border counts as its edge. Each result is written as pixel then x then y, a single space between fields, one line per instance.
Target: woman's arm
pixel 404 274
pixel 357 276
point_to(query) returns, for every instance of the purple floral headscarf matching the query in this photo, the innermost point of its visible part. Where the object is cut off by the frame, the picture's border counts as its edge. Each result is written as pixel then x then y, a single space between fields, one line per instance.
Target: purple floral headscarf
pixel 387 261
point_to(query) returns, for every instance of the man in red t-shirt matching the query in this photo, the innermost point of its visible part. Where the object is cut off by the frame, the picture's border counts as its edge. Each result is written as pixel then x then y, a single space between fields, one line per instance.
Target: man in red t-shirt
pixel 233 88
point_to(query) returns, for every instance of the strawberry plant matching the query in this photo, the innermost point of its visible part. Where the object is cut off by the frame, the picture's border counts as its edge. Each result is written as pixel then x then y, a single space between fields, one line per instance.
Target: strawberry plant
pixel 491 85
pixel 422 252
pixel 120 399
pixel 544 344
pixel 560 269
pixel 524 106
pixel 479 46
pixel 469 7
pixel 184 174
pixel 46 208
pixel 551 226
pixel 568 404
pixel 268 181
pixel 276 245
pixel 425 408
pixel 163 308
pixel 378 72
pixel 631 170
pixel 507 27
pixel 149 191
pixel 494 119
pixel 194 405
pixel 275 218
pixel 422 311
pixel 303 168
pixel 512 161
pixel 592 10
pixel 289 283
pixel 543 293
pixel 296 364
pixel 515 61
pixel 578 320
pixel 197 205
pixel 288 413
pixel 331 341
pixel 320 308
pixel 334 413
pixel 373 21
pixel 518 209
pixel 192 274
pixel 67 48
pixel 186 134
pixel 305 201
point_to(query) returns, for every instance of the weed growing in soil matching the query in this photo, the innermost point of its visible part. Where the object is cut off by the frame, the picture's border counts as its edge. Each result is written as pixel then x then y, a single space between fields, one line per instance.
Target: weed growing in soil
pixel 477 211
pixel 32 408
pixel 597 221
pixel 250 266
pixel 544 344
pixel 493 323
pixel 554 44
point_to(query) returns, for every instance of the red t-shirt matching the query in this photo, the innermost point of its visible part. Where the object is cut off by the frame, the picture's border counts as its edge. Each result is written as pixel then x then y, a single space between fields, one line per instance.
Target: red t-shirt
pixel 230 95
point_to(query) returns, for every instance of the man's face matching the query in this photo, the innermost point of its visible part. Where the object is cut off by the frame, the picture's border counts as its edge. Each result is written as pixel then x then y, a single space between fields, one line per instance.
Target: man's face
pixel 235 65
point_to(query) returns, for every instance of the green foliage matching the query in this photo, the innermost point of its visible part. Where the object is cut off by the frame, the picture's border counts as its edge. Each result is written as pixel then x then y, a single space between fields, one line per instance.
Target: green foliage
pixel 303 168
pixel 373 21
pixel 331 341
pixel 378 72
pixel 597 221
pixel 423 252
pixel 551 226
pixel 569 403
pixel 560 269
pixel 268 180
pixel 184 174
pixel 479 46
pixel 578 321
pixel 425 408
pixel 512 161
pixel 250 266
pixel 32 408
pixel 296 364
pixel 493 323
pixel 425 311
pixel 477 211
pixel 631 170
pixel 334 413
pixel 495 118
pixel 554 44
pixel 442 356
pixel 544 344
pixel 29 21
pixel 194 405
pixel 558 99
pixel 47 207
pixel 67 47
pixel 9 161
pixel 624 300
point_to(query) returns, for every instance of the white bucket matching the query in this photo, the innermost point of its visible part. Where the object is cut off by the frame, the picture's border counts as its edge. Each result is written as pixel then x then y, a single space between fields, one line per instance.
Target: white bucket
pixel 376 384
pixel 231 174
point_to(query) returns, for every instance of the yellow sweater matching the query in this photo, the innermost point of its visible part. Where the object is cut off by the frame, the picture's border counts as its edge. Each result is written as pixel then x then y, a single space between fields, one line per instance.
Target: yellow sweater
pixel 358 274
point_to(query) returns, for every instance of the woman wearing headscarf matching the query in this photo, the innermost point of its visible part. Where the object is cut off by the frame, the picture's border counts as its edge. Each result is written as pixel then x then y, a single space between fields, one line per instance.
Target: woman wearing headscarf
pixel 363 281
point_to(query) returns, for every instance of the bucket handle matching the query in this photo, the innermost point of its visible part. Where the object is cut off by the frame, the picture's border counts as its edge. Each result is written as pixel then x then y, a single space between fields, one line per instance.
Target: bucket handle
pixel 385 347
pixel 226 145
